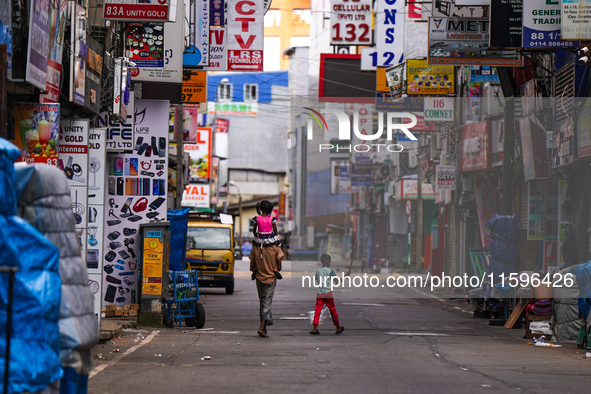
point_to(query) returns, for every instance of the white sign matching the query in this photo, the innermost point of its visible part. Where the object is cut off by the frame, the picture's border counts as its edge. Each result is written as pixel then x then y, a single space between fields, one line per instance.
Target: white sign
pixel 196 196
pixel 389 32
pixel 245 35
pixel 408 207
pixel 350 22
pixel 439 108
pixel 475 2
pixel 446 177
pixel 167 65
pixel 119 135
pixel 368 59
pixel 416 42
pixel 218 55
pixel 137 10
pixel 38 48
pixel 575 22
pixel 541 25
pixel 78 55
pixel 200 30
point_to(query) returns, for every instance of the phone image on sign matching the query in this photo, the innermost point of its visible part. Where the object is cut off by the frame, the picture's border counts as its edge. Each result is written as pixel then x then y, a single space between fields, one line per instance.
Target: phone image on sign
pixel 133 166
pixel 111 166
pixel 126 165
pixel 119 166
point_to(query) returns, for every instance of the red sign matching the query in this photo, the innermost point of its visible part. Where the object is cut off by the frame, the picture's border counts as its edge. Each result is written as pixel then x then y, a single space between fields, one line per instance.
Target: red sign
pixel 129 11
pixel 408 208
pixel 222 125
pixel 245 35
pixel 475 147
pixel 421 124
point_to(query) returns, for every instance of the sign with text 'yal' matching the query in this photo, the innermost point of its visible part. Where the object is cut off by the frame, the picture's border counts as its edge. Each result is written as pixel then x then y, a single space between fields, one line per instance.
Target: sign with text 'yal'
pixel 245 35
pixel 196 196
pixel 350 22
pixel 137 10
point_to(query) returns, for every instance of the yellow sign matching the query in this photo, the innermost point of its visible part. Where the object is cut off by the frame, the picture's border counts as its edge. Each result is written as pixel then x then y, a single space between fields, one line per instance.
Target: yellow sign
pixel 194 86
pixel 381 82
pixel 152 266
pixel 423 78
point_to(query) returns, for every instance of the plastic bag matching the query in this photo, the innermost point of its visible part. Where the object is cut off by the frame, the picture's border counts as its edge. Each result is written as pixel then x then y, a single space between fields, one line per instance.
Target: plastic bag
pixel 323 315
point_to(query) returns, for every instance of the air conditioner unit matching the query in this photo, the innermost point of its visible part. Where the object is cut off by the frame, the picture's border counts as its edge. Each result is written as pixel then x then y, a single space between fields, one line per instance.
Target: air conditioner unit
pixel 494 100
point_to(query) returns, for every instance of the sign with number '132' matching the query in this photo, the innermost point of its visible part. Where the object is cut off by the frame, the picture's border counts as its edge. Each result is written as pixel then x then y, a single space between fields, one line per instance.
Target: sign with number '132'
pixel 350 22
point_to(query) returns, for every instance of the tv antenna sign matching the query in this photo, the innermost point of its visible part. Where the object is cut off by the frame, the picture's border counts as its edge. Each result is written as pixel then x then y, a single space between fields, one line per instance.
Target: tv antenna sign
pixel 393 122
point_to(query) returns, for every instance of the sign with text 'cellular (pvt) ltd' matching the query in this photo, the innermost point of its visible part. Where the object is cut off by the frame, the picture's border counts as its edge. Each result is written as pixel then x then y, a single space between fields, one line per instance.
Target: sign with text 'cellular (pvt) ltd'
pixel 350 22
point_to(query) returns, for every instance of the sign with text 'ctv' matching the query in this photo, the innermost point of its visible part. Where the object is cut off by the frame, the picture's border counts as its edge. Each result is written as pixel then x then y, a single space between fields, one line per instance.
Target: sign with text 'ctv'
pixel 245 35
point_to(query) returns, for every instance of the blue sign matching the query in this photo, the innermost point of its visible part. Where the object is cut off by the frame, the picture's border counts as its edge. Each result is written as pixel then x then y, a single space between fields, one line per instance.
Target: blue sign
pixel 153 234
pixel 541 25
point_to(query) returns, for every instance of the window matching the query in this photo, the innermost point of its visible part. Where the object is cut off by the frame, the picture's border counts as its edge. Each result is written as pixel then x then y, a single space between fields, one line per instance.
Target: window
pixel 225 92
pixel 213 238
pixel 251 92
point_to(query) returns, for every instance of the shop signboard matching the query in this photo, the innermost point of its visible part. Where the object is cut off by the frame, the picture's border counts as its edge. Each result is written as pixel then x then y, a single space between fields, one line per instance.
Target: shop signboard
pixel 574 20
pixel 506 23
pixel 36 132
pixel 79 55
pixel 439 109
pixel 563 144
pixel 550 254
pixel 57 26
pixel 429 79
pixel 407 189
pixel 156 49
pixel 446 177
pixel 194 86
pixel 232 108
pixel 368 59
pixel 218 54
pixel 389 33
pixel 584 129
pixel 497 142
pixel 462 8
pixel 350 22
pixel 37 50
pixel 196 196
pixel 73 160
pixel 245 35
pixel 541 25
pixel 217 15
pixel 119 135
pixel 416 39
pixel 152 258
pixel 199 149
pixel 465 41
pixel 138 10
pixel 136 193
pixel 198 52
pixel 474 148
pixel 542 205
pixel 483 74
pixel 406 142
pixel 396 79
pixel 94 70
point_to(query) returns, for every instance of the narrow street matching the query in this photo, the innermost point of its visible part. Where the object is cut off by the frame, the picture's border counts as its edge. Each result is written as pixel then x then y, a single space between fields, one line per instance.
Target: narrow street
pixel 389 345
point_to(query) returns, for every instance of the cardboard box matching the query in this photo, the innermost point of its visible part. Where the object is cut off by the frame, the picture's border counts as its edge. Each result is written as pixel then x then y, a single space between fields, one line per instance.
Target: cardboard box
pixel 118 312
pixel 132 312
pixel 110 307
pixel 110 313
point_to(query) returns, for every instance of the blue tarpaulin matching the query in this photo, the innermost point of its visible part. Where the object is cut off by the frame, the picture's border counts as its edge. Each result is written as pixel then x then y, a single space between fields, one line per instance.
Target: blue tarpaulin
pixel 179 220
pixel 35 339
pixel 504 239
pixel 583 275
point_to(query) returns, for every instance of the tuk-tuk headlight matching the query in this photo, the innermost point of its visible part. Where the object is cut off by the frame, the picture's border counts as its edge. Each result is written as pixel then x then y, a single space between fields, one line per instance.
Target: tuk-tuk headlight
pixel 225 267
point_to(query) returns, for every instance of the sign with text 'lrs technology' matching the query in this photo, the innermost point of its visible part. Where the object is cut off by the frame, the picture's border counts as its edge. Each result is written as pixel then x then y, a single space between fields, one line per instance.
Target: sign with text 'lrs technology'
pixel 137 10
pixel 245 35
pixel 350 22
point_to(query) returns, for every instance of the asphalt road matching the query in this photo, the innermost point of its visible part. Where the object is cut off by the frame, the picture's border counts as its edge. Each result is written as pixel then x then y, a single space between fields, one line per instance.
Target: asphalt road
pixel 392 344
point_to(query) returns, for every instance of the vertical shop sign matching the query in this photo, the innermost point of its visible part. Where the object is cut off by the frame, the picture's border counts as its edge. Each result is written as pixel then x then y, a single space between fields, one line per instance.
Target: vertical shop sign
pixel 389 33
pixel 199 150
pixel 73 160
pixel 446 177
pixel 542 210
pixel 78 55
pixel 584 129
pixel 36 132
pixel 136 193
pixel 350 22
pixel 218 54
pixel 153 256
pixel 245 35
pixel 198 52
pixel 97 169
pixel 474 147
pixel 216 13
pixel 38 47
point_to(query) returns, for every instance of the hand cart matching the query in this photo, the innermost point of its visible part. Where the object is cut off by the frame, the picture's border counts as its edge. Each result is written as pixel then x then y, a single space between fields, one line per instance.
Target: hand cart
pixel 184 301
pixel 11 273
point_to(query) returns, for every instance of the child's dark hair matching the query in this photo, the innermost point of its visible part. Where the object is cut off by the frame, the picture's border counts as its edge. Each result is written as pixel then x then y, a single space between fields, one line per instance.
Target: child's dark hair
pixel 325 259
pixel 264 206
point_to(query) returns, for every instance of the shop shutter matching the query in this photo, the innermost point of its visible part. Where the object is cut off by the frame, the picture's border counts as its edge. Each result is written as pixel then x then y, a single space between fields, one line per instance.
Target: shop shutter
pixel 523 205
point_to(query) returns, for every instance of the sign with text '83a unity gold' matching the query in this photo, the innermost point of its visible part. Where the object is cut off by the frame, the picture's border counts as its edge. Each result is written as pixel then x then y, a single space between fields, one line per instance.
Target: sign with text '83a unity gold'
pixel 245 35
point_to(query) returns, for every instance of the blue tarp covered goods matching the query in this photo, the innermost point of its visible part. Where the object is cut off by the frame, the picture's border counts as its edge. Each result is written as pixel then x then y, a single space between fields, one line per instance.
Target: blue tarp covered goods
pixel 35 339
pixel 583 275
pixel 179 219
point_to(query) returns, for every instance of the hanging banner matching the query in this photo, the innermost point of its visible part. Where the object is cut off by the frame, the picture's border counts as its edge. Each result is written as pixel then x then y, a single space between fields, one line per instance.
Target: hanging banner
pixel 542 203
pixel 541 25
pixel 350 22
pixel 37 50
pixel 94 70
pixel 574 20
pixel 137 10
pixel 425 79
pixel 465 41
pixel 36 132
pixel 157 50
pixel 196 196
pixel 389 33
pixel 198 52
pixel 200 152
pixel 245 35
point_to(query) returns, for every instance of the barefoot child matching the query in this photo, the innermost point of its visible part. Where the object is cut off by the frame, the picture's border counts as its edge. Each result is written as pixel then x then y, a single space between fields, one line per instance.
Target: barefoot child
pixel 265 262
pixel 324 296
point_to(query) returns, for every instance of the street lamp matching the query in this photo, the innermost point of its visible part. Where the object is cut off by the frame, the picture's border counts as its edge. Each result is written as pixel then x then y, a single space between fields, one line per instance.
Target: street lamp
pixel 232 183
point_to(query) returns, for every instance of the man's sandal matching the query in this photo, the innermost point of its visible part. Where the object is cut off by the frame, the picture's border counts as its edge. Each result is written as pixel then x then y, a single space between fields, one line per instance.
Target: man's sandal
pixel 339 330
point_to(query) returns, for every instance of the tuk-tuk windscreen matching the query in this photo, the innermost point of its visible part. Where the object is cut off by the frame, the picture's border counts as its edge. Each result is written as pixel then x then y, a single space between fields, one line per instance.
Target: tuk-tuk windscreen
pixel 208 238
